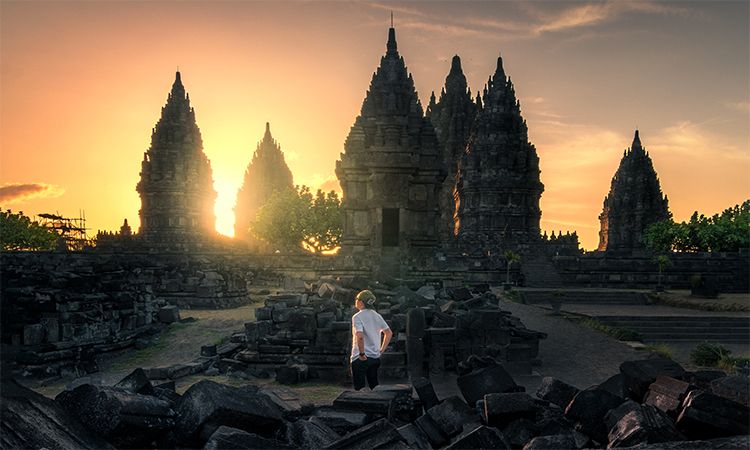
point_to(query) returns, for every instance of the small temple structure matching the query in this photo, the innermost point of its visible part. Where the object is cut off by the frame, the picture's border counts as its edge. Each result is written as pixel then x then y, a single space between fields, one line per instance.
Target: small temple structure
pixel 266 174
pixel 497 184
pixel 391 170
pixel 176 185
pixel 452 116
pixel 634 202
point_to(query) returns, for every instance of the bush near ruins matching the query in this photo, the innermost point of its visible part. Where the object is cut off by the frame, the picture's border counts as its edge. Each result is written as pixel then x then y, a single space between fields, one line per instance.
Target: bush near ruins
pixel 725 232
pixel 294 219
pixel 19 233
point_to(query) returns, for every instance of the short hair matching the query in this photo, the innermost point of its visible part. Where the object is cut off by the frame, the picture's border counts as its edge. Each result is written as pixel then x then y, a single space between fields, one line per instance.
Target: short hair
pixel 367 297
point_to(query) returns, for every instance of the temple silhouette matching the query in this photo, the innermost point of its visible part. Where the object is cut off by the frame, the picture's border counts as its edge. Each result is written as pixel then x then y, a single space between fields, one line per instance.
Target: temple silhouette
pixel 459 178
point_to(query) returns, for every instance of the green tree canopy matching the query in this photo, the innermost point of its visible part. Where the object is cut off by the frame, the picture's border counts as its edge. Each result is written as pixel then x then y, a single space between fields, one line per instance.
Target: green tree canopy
pixel 19 233
pixel 295 219
pixel 725 232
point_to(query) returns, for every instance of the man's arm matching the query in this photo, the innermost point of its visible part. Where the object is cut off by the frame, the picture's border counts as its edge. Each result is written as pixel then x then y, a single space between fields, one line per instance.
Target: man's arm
pixel 361 344
pixel 388 335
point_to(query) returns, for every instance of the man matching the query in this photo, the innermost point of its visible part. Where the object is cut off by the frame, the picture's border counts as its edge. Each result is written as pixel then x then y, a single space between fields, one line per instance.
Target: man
pixel 367 327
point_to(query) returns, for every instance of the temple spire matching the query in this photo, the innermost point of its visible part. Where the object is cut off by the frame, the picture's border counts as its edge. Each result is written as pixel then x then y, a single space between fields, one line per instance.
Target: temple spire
pixel 391 47
pixel 636 141
pixel 499 71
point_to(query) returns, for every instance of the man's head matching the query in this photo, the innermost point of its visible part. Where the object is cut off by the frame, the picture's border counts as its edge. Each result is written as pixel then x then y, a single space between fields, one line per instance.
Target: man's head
pixel 365 300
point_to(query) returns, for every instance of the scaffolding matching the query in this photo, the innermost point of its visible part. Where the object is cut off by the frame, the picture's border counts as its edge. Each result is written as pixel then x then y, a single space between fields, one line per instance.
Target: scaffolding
pixel 72 230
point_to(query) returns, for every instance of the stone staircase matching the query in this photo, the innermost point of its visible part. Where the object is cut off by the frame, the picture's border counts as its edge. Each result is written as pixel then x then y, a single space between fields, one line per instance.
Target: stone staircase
pixel 684 328
pixel 540 272
pixel 583 297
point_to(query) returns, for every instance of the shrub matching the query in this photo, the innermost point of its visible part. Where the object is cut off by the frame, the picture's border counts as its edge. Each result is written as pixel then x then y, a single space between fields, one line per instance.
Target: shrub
pixel 662 349
pixel 708 355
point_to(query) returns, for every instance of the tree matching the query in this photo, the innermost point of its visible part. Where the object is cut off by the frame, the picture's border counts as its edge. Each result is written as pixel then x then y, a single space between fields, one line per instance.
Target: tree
pixel 662 261
pixel 725 232
pixel 19 233
pixel 510 258
pixel 294 219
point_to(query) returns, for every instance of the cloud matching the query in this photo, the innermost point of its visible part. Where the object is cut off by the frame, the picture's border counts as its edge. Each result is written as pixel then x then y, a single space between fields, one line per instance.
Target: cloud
pixel 17 192
pixel 324 182
pixel 743 107
pixel 695 140
pixel 331 185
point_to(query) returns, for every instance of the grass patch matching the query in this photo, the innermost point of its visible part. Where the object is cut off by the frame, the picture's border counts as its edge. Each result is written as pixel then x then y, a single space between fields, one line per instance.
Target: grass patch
pixel 512 296
pixel 699 305
pixel 661 349
pixel 621 334
pixel 708 355
pixel 139 357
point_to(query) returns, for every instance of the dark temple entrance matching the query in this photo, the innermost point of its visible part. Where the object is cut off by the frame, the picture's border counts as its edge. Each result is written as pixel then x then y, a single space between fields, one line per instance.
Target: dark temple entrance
pixel 390 227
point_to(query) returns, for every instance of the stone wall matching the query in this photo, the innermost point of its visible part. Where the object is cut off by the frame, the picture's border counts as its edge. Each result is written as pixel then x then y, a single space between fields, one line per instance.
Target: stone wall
pixel 727 271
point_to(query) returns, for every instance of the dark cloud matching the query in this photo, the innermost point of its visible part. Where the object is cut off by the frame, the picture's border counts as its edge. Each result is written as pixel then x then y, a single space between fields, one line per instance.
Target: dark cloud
pixel 16 192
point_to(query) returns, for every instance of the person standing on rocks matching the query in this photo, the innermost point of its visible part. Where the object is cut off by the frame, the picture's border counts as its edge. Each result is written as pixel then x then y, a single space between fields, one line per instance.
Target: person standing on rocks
pixel 367 327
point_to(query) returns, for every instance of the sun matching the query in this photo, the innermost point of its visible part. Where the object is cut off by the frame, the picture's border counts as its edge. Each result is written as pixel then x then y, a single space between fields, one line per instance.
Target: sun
pixel 224 207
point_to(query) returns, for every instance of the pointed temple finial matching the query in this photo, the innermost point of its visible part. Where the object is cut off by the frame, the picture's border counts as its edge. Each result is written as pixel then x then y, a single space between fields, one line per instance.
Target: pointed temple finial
pixel 391 46
pixel 456 64
pixel 499 71
pixel 636 141
pixel 267 135
pixel 391 19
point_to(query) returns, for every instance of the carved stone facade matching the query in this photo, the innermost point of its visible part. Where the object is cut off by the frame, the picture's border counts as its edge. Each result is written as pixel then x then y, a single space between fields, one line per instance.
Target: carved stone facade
pixel 498 185
pixel 266 174
pixel 176 185
pixel 634 202
pixel 391 168
pixel 452 116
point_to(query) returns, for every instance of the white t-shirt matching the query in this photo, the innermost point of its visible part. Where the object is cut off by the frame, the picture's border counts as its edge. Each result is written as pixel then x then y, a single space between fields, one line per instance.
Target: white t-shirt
pixel 371 324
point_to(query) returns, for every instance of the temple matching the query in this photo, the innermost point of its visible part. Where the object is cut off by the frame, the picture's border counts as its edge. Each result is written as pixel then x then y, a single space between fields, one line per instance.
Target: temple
pixel 266 174
pixel 452 116
pixel 176 185
pixel 634 202
pixel 391 169
pixel 497 185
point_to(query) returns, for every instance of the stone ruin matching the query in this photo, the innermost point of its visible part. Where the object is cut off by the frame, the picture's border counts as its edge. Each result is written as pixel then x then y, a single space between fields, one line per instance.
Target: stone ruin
pixel 59 313
pixel 650 404
pixel 308 334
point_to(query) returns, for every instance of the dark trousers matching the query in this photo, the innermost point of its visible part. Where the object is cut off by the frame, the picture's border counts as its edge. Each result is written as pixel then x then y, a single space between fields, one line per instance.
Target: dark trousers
pixel 365 371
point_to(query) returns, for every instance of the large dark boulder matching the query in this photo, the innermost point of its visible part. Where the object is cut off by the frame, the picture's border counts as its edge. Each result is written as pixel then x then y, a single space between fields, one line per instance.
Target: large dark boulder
pixel 667 394
pixel 706 416
pixel 31 420
pixel 451 415
pixel 501 409
pixel 478 383
pixel 733 387
pixel 588 409
pixel 378 434
pixel 136 382
pixel 637 376
pixel 123 418
pixel 556 391
pixel 643 424
pixel 481 437
pixel 207 405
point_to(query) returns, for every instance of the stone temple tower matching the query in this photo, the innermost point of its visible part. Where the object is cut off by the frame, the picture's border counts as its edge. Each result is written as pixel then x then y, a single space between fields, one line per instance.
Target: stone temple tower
pixel 176 185
pixel 391 169
pixel 634 202
pixel 452 116
pixel 266 174
pixel 498 182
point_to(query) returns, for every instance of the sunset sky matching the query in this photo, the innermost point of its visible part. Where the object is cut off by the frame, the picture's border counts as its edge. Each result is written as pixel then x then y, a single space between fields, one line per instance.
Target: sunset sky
pixel 82 85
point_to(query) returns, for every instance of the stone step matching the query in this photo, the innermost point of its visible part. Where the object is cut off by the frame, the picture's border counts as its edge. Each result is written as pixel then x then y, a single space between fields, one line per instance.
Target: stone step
pixel 684 329
pixel 578 297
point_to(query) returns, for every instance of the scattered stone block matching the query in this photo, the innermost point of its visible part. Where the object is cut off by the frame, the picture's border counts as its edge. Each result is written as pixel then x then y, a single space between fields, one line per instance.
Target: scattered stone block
pixel 481 437
pixel 705 416
pixel 33 334
pixel 643 424
pixel 31 420
pixel 169 314
pixel 206 406
pixel 733 387
pixel 556 391
pixel 451 414
pixel 414 437
pixel 667 394
pixel 431 430
pixel 614 385
pixel 379 434
pixel 311 434
pixel 208 350
pixel 426 392
pixel 588 409
pixel 136 383
pixel 501 409
pixel 476 384
pixel 228 438
pixel 520 431
pixel 555 441
pixel 341 421
pixel 637 376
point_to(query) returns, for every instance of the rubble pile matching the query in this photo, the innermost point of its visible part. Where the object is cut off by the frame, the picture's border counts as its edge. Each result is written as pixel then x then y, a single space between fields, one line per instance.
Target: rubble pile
pixel 59 311
pixel 308 333
pixel 691 410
